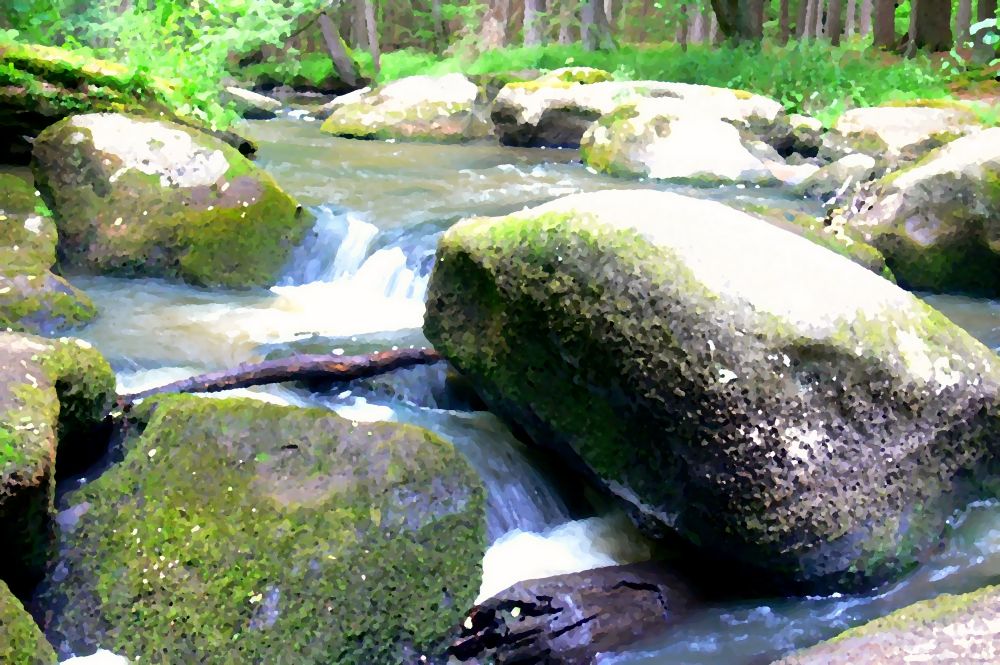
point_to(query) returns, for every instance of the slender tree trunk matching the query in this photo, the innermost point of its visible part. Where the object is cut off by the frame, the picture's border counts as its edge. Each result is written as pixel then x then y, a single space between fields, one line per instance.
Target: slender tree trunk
pixel 698 28
pixel 440 36
pixel 783 23
pixel 911 34
pixel 866 17
pixel 981 51
pixel 588 32
pixel 963 19
pixel 986 9
pixel 755 17
pixel 885 23
pixel 342 61
pixel 609 13
pixel 852 13
pixel 373 36
pixel 714 34
pixel 818 16
pixel 833 26
pixel 802 21
pixel 565 20
pixel 360 28
pixel 532 22
pixel 809 29
pixel 931 29
pixel 683 28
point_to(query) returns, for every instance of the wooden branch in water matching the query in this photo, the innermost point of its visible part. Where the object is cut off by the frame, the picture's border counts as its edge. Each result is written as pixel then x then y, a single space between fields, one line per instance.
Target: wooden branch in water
pixel 294 368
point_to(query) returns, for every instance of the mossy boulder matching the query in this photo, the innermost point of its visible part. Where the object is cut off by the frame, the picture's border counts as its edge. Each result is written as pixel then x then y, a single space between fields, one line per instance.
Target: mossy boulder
pixel 53 394
pixel 40 85
pixel 263 534
pixel 840 178
pixel 948 629
pixel 556 111
pixel 784 409
pixel 415 108
pixel 894 135
pixel 32 299
pixel 21 642
pixel 138 197
pixel 935 222
pixel 659 138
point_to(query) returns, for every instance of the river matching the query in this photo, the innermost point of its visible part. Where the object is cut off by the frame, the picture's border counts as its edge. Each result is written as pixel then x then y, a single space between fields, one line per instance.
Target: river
pixel 358 283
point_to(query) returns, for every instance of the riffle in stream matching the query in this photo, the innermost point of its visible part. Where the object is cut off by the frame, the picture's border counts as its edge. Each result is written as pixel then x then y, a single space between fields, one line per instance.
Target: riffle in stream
pixel 358 284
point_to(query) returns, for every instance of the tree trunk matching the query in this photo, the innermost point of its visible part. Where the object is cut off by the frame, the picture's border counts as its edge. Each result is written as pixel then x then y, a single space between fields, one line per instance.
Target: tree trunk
pixel 334 44
pixel 963 19
pixel 818 17
pixel 740 20
pixel 911 34
pixel 609 13
pixel 714 34
pixel 809 28
pixel 698 28
pixel 602 23
pixel 373 36
pixel 833 26
pixel 360 28
pixel 437 18
pixel 802 21
pixel 532 22
pixel 755 18
pixel 852 12
pixel 885 23
pixel 493 33
pixel 981 51
pixel 565 20
pixel 866 18
pixel 682 28
pixel 986 9
pixel 932 27
pixel 783 23
pixel 297 368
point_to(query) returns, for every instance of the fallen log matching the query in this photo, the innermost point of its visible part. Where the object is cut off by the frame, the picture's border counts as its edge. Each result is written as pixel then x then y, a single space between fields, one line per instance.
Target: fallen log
pixel 294 368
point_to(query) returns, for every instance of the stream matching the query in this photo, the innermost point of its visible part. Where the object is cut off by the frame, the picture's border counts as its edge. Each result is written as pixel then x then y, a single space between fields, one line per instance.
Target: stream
pixel 358 284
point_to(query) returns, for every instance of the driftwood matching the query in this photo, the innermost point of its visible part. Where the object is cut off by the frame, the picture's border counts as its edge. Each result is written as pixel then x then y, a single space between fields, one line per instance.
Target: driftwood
pixel 295 368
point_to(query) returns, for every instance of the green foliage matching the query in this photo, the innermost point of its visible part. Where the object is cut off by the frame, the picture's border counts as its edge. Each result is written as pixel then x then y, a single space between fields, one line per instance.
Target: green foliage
pixel 810 77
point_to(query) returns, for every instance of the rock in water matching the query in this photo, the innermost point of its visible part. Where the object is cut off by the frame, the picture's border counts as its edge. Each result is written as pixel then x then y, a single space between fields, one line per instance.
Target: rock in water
pixel 247 532
pixel 140 197
pixel 896 134
pixel 947 630
pixel 32 299
pixel 774 403
pixel 53 393
pixel 935 222
pixel 569 619
pixel 251 105
pixel 420 108
pixel 21 642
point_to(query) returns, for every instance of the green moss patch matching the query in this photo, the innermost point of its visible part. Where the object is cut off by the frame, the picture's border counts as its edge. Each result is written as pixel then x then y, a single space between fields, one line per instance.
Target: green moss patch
pixel 21 642
pixel 258 533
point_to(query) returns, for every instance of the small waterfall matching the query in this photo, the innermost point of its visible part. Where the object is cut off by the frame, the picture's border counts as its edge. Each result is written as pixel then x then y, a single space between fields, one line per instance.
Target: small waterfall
pixel 336 246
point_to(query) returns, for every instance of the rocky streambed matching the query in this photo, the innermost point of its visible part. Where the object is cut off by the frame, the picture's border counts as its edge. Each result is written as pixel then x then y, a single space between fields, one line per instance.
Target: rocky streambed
pixel 675 427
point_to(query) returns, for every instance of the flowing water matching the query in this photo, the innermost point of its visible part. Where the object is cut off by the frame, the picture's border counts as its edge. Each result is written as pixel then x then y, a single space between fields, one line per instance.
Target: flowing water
pixel 358 283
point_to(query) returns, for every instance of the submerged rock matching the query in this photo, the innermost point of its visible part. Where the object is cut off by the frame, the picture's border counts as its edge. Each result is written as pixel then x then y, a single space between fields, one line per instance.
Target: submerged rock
pixel 53 393
pixel 947 630
pixel 419 108
pixel 571 618
pixel 251 105
pixel 138 197
pixel 786 410
pixel 32 299
pixel 21 642
pixel 251 531
pixel 935 222
pixel 659 138
pixel 896 134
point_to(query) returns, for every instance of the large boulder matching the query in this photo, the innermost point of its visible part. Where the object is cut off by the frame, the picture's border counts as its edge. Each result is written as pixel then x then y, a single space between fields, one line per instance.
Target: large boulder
pixel 417 108
pixel 786 410
pixel 139 197
pixel 946 630
pixel 839 178
pixel 21 642
pixel 658 138
pixel 32 299
pixel 896 134
pixel 935 222
pixel 40 85
pixel 248 532
pixel 551 111
pixel 572 618
pixel 53 395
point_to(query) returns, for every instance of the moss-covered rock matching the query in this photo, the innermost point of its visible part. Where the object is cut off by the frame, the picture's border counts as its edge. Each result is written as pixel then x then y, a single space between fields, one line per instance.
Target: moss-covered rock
pixel 21 642
pixel 662 139
pixel 839 178
pixel 32 299
pixel 556 111
pixel 416 108
pixel 952 630
pixel 260 533
pixel 936 222
pixel 894 135
pixel 53 394
pixel 787 410
pixel 138 197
